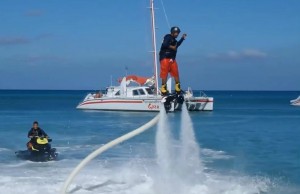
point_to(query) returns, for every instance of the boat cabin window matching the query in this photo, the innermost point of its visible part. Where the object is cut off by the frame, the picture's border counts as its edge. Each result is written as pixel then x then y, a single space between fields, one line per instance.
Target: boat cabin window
pixel 118 93
pixel 149 91
pixel 142 92
pixel 135 92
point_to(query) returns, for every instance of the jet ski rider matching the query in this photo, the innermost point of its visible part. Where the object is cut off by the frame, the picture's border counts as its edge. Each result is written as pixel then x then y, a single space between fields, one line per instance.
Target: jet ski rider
pixel 34 132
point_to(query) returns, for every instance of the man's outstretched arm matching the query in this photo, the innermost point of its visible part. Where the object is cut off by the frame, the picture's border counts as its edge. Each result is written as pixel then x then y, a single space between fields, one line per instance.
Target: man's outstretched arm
pixel 181 40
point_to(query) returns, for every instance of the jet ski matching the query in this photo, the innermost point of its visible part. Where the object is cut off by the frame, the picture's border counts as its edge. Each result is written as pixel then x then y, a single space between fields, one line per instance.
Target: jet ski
pixel 40 151
pixel 175 99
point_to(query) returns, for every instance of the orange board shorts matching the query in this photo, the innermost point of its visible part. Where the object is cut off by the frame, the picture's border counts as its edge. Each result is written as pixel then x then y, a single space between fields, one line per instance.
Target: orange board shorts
pixel 168 66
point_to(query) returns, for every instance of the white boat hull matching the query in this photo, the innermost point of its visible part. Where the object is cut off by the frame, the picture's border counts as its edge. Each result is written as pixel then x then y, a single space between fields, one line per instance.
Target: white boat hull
pixel 143 104
pixel 200 104
pixel 151 105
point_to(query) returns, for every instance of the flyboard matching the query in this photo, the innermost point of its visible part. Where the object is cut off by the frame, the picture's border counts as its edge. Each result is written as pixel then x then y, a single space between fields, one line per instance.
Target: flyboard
pixel 172 100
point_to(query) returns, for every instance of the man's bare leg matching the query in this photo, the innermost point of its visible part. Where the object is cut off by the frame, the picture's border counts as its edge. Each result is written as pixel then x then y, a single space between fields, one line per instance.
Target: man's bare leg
pixel 164 81
pixel 176 80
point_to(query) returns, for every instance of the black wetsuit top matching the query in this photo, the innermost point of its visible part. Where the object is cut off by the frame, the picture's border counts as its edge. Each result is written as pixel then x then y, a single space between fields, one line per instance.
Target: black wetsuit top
pixel 165 51
pixel 39 132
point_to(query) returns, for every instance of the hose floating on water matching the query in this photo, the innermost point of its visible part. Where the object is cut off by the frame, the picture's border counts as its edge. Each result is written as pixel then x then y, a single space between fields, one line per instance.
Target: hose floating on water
pixel 105 147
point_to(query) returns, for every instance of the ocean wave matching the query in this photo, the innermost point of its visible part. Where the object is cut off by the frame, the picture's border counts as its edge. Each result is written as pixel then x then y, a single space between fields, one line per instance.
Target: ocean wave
pixel 4 149
pixel 215 154
pixel 130 178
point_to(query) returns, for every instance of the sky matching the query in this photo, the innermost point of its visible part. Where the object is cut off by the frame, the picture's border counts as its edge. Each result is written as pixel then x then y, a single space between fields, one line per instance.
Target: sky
pixel 231 45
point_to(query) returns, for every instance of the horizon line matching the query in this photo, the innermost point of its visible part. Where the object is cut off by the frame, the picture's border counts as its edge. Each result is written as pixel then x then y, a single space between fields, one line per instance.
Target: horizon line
pixel 211 90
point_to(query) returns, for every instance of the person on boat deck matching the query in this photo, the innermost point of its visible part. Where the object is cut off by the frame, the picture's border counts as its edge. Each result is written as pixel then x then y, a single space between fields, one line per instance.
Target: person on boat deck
pixel 167 58
pixel 35 131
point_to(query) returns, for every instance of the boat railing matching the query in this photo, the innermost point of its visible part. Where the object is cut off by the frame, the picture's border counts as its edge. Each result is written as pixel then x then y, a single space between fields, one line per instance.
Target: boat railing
pixel 190 91
pixel 202 94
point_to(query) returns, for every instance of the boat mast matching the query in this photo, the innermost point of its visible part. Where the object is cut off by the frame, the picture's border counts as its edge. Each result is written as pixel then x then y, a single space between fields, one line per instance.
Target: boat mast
pixel 154 44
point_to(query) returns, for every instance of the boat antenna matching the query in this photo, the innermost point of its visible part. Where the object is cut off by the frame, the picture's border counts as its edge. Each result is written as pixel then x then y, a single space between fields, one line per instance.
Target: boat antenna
pixel 154 44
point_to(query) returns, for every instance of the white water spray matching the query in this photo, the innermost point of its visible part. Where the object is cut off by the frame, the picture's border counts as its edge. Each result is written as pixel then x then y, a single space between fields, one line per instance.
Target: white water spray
pixel 178 167
pixel 165 156
pixel 189 160
pixel 164 141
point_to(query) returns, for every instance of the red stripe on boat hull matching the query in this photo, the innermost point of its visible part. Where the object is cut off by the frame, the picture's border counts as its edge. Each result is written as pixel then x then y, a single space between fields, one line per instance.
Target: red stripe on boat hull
pixel 118 101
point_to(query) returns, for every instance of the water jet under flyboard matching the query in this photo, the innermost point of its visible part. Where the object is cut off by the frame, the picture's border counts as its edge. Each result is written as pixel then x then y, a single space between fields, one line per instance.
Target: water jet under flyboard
pixel 179 167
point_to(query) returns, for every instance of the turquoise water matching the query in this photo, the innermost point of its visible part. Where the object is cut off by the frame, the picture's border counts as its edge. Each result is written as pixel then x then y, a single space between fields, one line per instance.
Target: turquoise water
pixel 248 144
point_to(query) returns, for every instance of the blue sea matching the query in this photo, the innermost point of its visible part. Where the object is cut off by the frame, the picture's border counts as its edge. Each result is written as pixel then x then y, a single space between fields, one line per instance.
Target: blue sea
pixel 249 144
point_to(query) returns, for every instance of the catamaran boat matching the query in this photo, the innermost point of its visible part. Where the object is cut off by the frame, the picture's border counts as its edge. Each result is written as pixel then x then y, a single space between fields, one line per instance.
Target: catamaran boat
pixel 145 95
pixel 296 102
pixel 141 97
